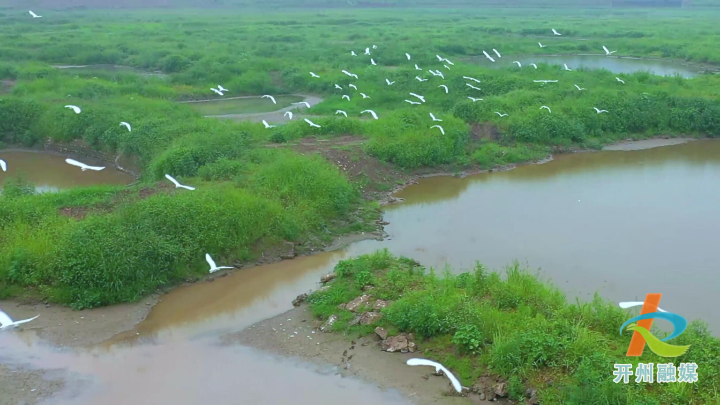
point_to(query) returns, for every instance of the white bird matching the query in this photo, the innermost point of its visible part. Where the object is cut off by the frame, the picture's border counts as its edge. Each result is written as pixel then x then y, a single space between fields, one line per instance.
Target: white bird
pixel 34 15
pixel 488 56
pixel 126 125
pixel 545 81
pixel 471 86
pixel 313 74
pixel 440 58
pixel 579 88
pixel 417 67
pixel 407 55
pixel 353 86
pixel 213 266
pixel 438 368
pixel 608 52
pixel 221 88
pixel 3 165
pixel 533 65
pixel 546 107
pixel 270 97
pixel 267 125
pixel 599 111
pixel 620 80
pixel 444 87
pixel 304 102
pixel 352 53
pixel 312 124
pixel 412 102
pixel 372 62
pixel 446 67
pixel 518 63
pixel 288 114
pixel 374 46
pixel 448 61
pixel 345 96
pixel 389 83
pixel 371 113
pixel 501 115
pixel 497 53
pixel 630 304
pixel 566 67
pixel 471 78
pixel 74 108
pixel 439 73
pixel 475 99
pixel 421 98
pixel 347 73
pixel 420 80
pixel 364 95
pixel 177 184
pixel 367 51
pixel 337 86
pixel 555 32
pixel 434 118
pixel 6 322
pixel 83 166
pixel 440 128
pixel 341 112
pixel 217 91
pixel 541 45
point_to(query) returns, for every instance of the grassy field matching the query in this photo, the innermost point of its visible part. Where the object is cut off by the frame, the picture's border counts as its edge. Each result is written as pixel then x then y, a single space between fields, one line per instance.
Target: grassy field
pixel 243 105
pixel 281 195
pixel 518 329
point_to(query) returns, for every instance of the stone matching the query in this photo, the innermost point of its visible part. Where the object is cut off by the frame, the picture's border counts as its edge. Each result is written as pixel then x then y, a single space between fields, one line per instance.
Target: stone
pixel 380 304
pixel 341 306
pixel 289 252
pixel 381 332
pixel 482 396
pixel 395 344
pixel 368 318
pixel 355 321
pixel 368 287
pixel 299 299
pixel 326 326
pixel 327 277
pixel 357 302
pixel 412 347
pixel 501 389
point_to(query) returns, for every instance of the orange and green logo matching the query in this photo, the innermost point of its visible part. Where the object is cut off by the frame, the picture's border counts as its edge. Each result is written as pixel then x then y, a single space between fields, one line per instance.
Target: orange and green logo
pixel 641 324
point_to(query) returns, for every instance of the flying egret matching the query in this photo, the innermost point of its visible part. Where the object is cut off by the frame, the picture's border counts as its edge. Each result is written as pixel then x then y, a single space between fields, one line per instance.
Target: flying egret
pixel 547 108
pixel 372 62
pixel 364 95
pixel 518 63
pixel 352 53
pixel 555 32
pixel 374 46
pixel 545 81
pixel 270 97
pixel 541 45
pixel 74 108
pixel 213 266
pixel 346 72
pixel 337 86
pixel 448 61
pixel 177 184
pixel 475 99
pixel 620 80
pixel 288 114
pixel 500 114
pixel 488 56
pixel 3 165
pixel 341 112
pixel 421 98
pixel 599 111
pixel 6 322
pixel 446 67
pixel 608 52
pixel 389 83
pixel 304 102
pixel 471 78
pixel 34 15
pixel 83 166
pixel 126 125
pixel 353 86
pixel 533 65
pixel 267 125
pixel 312 124
pixel 444 87
pixel 417 67
pixel 439 73
pixel 566 67
pixel 367 51
pixel 371 113
pixel 579 88
pixel 217 91
pixel 630 304
pixel 497 53
pixel 407 55
pixel 412 102
pixel 435 119
pixel 420 80
pixel 472 87
pixel 221 88
pixel 313 74
pixel 345 96
pixel 439 127
pixel 440 58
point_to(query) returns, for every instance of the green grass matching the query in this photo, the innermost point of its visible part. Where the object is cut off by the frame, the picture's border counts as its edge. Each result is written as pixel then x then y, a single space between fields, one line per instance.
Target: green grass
pixel 243 106
pixel 516 328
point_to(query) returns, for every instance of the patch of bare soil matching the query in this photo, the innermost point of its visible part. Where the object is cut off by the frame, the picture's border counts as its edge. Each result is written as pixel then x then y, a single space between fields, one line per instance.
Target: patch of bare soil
pixel 6 85
pixel 486 130
pixel 27 386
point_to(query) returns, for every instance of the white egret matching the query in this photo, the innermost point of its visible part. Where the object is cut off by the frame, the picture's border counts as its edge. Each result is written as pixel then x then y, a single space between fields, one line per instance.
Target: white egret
pixel 579 88
pixel 500 114
pixel 367 51
pixel 497 53
pixel 630 304
pixel 448 61
pixel 620 80
pixel 345 96
pixel 421 98
pixel 533 65
pixel 439 127
pixel 472 87
pixel 270 97
pixel 337 86
pixel 312 124
pixel 412 102
pixel 126 125
pixel 417 67
pixel 221 88
pixel 371 113
pixel 288 114
pixel 555 32
pixel 440 58
pixel 352 53
pixel 3 165
pixel 389 83
pixel 545 81
pixel 435 119
pixel 372 62
pixel 303 102
pixel 267 126
pixel 341 112
pixel 439 73
pixel 599 111
pixel 541 45
pixel 217 91
pixel 420 80
pixel 446 67
pixel 34 15
pixel 364 95
pixel 177 184
pixel 74 108
pixel 488 56
pixel 473 99
pixel 214 267
pixel 83 166
pixel 608 52
pixel 374 46
pixel 346 72
pixel 518 63
pixel 407 55
pixel 353 86
pixel 566 67
pixel 313 74
pixel 6 322
pixel 444 87
pixel 471 78
pixel 547 108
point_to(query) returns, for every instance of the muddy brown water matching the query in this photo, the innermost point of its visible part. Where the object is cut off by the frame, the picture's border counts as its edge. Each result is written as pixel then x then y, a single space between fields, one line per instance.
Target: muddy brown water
pixel 620 223
pixel 49 172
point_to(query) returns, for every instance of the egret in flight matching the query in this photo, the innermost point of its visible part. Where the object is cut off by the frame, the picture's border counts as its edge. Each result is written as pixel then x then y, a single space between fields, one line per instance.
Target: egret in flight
pixel 444 87
pixel 440 128
pixel 270 97
pixel 3 165
pixel 214 267
pixel 312 124
pixel 407 55
pixel 74 108
pixel 216 91
pixel 608 52
pixel 471 78
pixel 473 99
pixel 533 65
pixel 221 88
pixel 267 125
pixel 417 67
pixel 345 96
pixel 472 87
pixel 303 102
pixel 6 322
pixel 448 61
pixel 497 53
pixel 566 67
pixel 126 125
pixel 364 95
pixel 545 81
pixel 389 83
pixel 500 114
pixel 421 98
pixel 599 111
pixel 352 53
pixel 440 58
pixel 371 113
pixel 435 119
pixel 341 112
pixel 446 67
pixel 313 74
pixel 367 51
pixel 83 166
pixel 372 62
pixel 353 86
pixel 420 80
pixel 288 114
pixel 337 86
pixel 555 32
pixel 177 184
pixel 579 88
pixel 541 45
pixel 547 108
pixel 34 15
pixel 412 102
pixel 518 63
pixel 620 80
pixel 488 56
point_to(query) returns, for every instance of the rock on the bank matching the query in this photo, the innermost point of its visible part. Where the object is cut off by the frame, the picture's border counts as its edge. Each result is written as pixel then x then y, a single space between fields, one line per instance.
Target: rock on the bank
pixel 368 318
pixel 380 304
pixel 329 323
pixel 381 332
pixel 357 302
pixel 327 277
pixel 299 299
pixel 401 343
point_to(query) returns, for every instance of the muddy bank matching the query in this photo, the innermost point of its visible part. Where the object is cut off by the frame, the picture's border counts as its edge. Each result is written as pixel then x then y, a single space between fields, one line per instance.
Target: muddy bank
pixel 629 145
pixel 272 116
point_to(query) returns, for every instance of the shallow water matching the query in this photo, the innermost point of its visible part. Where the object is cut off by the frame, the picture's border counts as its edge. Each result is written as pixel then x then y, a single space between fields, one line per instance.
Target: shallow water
pixel 611 63
pixel 50 173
